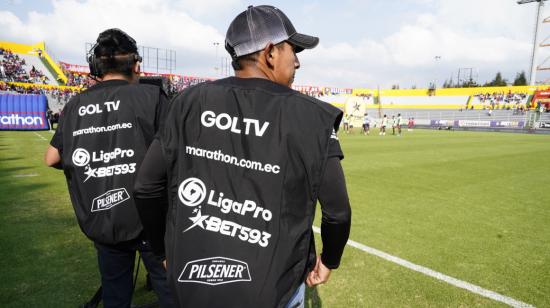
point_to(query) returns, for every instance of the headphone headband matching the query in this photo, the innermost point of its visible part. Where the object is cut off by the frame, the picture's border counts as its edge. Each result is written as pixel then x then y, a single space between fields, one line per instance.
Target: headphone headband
pixel 94 60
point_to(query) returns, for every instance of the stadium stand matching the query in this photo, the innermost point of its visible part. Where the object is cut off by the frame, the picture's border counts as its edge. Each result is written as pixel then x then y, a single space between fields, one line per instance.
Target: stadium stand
pixel 544 120
pixel 425 102
pixel 475 108
pixel 78 80
pixel 508 101
pixel 28 69
pixel 34 58
pixel 15 68
pixel 57 96
pixel 34 63
pixel 320 92
pixel 78 76
pixel 178 83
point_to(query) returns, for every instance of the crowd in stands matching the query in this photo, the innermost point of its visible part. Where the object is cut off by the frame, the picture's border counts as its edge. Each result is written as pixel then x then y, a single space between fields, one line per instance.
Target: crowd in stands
pixel 503 101
pixel 175 84
pixel 313 93
pixel 179 83
pixel 62 95
pixel 36 76
pixel 12 69
pixel 320 91
pixel 78 79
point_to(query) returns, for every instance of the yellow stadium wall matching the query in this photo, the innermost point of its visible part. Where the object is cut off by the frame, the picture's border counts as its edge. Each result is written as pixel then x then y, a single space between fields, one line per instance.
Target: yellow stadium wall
pixel 42 86
pixel 450 91
pixel 29 49
pixel 18 48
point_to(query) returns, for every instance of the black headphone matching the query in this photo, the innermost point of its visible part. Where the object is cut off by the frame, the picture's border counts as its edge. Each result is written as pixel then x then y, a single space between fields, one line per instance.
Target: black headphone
pixel 94 62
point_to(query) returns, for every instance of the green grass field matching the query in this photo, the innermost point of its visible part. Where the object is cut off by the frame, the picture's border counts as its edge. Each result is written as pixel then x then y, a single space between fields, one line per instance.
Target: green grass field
pixel 473 206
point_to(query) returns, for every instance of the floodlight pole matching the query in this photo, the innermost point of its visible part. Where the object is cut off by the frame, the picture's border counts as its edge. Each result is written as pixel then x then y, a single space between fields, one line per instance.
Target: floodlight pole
pixel 533 76
pixel 436 59
pixel 216 44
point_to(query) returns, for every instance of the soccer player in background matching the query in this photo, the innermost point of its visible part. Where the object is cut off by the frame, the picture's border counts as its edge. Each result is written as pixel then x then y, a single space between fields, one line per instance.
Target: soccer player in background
pixel 345 121
pixel 399 123
pixel 366 124
pixel 383 126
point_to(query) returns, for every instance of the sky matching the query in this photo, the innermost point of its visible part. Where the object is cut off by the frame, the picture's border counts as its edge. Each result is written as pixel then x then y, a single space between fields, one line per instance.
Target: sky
pixel 363 44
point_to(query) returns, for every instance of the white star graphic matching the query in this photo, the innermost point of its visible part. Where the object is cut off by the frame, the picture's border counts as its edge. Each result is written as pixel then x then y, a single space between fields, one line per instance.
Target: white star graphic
pixel 90 172
pixel 197 221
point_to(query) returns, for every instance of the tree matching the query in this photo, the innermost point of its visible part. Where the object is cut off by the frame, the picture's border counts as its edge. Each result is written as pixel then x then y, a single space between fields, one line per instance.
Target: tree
pixel 470 83
pixel 520 79
pixel 498 81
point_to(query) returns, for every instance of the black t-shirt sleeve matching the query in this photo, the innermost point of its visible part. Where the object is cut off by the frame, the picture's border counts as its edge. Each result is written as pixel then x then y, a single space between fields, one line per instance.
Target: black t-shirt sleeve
pixel 334 149
pixel 151 197
pixel 336 213
pixel 57 139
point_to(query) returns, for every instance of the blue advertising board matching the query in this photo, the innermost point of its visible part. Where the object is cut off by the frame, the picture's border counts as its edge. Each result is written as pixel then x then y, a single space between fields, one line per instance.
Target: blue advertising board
pixel 23 112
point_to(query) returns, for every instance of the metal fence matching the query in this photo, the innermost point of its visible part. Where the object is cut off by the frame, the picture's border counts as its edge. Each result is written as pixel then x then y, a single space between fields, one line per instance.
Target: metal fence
pixel 471 119
pixel 155 60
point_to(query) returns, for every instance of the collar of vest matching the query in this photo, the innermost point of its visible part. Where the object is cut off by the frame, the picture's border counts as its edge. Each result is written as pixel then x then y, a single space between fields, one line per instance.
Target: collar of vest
pixel 253 83
pixel 109 83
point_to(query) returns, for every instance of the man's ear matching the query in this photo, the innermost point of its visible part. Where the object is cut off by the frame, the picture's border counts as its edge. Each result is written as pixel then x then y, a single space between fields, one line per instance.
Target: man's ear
pixel 137 67
pixel 270 54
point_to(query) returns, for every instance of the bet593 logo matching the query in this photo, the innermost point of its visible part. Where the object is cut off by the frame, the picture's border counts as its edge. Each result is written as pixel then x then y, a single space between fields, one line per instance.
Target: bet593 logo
pixel 82 158
pixel 192 193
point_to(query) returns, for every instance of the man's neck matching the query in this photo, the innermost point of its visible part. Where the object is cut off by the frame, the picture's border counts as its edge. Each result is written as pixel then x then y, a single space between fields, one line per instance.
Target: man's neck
pixel 112 76
pixel 251 72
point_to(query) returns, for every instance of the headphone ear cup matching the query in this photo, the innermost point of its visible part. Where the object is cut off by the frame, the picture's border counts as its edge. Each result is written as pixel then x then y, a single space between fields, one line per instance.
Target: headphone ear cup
pixel 92 62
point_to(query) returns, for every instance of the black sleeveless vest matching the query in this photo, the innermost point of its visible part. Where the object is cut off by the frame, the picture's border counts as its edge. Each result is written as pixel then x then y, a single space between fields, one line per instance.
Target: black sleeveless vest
pixel 106 132
pixel 245 160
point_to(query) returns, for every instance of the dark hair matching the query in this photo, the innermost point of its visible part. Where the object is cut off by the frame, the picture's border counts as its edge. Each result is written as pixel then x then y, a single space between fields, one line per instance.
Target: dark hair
pixel 237 63
pixel 115 52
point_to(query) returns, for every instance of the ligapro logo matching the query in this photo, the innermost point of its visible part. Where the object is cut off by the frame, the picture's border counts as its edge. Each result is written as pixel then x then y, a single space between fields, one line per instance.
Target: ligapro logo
pixel 215 271
pixel 81 157
pixel 192 192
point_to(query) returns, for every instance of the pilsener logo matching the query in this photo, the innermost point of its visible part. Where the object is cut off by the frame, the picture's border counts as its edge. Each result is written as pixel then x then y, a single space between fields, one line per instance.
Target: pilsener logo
pixel 215 271
pixel 109 199
pixel 192 192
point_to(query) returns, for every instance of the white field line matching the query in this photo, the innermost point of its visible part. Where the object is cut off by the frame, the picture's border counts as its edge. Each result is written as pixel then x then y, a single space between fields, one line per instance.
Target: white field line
pixel 40 136
pixel 25 175
pixel 439 276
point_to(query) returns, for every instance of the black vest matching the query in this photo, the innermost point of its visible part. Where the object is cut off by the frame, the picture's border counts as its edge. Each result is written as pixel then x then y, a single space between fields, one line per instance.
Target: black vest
pixel 106 132
pixel 245 160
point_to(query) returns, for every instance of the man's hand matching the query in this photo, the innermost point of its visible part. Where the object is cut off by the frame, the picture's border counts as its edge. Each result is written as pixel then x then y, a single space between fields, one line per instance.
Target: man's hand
pixel 318 275
pixel 164 263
